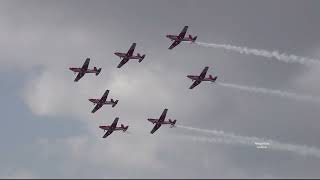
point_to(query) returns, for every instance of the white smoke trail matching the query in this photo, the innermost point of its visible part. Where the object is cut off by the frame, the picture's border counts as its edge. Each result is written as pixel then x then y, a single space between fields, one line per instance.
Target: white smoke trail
pixel 243 139
pixel 272 92
pixel 217 140
pixel 288 58
pixel 229 138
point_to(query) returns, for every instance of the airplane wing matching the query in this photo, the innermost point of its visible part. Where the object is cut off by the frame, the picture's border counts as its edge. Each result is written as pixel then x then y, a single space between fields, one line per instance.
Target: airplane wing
pixel 163 115
pixel 130 52
pixel 174 44
pixel 107 133
pixel 124 60
pixel 156 127
pixel 183 32
pixel 105 96
pixel 86 64
pixel 196 83
pixel 114 124
pixel 96 108
pixel 112 127
pixel 204 72
pixel 79 76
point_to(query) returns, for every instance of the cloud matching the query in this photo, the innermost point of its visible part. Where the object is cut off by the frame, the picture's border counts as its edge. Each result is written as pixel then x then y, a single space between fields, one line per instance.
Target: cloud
pixel 306 81
pixel 118 152
pixel 53 93
pixel 19 174
pixel 42 39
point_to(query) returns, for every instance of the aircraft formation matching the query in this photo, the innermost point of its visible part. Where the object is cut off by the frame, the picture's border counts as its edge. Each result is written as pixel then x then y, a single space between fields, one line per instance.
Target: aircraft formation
pixel 84 69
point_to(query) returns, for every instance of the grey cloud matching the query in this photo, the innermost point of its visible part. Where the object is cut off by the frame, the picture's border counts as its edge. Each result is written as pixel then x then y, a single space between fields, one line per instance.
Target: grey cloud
pixel 41 39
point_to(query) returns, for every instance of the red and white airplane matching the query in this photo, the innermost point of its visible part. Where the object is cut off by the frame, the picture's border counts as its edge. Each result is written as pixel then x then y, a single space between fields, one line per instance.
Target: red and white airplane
pixel 202 77
pixel 161 121
pixel 181 37
pixel 103 101
pixel 84 69
pixel 113 127
pixel 129 55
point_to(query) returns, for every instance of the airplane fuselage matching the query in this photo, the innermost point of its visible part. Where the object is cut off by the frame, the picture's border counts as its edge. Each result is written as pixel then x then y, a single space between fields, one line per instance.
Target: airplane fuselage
pixel 97 101
pixel 124 55
pixel 156 121
pixel 106 128
pixel 84 70
pixel 197 78
pixel 177 38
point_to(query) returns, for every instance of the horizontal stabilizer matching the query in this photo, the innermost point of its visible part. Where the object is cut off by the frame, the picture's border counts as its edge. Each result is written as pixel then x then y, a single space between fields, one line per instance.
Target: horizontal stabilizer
pixel 124 128
pixel 97 71
pixel 142 57
pixel 172 122
pixel 213 79
pixel 194 39
pixel 114 102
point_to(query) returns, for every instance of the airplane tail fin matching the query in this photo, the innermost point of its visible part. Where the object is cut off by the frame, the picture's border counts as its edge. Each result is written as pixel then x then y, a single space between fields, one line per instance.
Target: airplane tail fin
pixel 141 57
pixel 213 79
pixel 124 128
pixel 97 70
pixel 114 102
